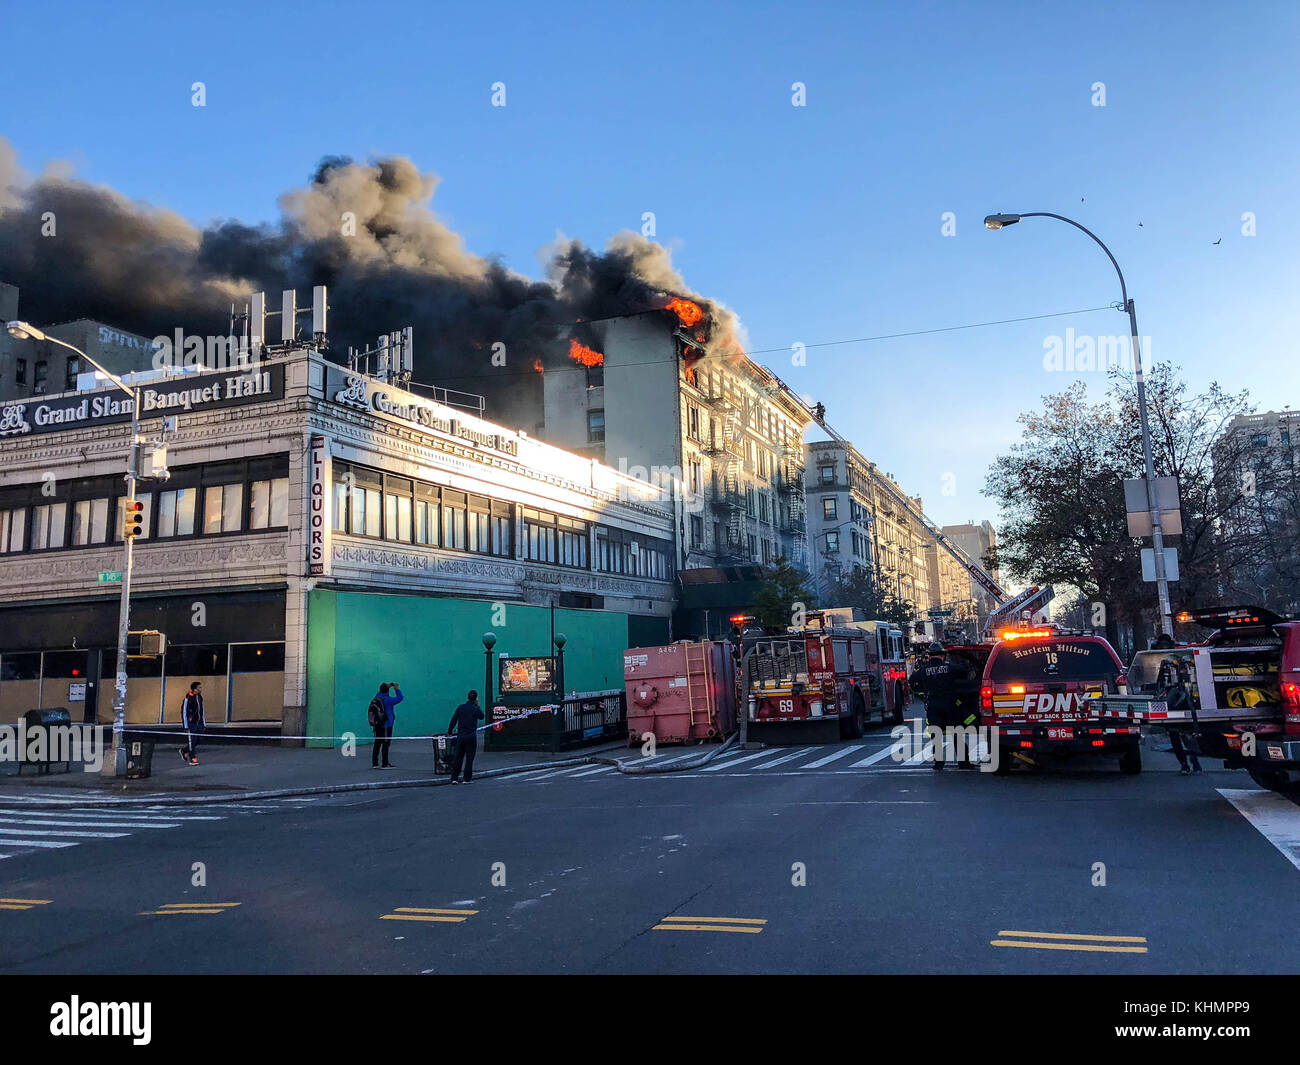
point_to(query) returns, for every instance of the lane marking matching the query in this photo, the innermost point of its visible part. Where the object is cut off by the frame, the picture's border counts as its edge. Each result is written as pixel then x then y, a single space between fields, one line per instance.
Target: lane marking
pixel 30 902
pixel 1074 935
pixel 832 757
pixel 1095 947
pixel 723 920
pixel 189 908
pixel 749 925
pixel 1274 816
pixel 33 843
pixel 593 772
pixel 432 909
pixel 99 815
pixel 183 905
pixel 871 759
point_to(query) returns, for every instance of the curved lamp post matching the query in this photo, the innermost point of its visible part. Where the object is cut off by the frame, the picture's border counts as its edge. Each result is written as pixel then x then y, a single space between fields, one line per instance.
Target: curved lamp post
pixel 115 764
pixel 1164 624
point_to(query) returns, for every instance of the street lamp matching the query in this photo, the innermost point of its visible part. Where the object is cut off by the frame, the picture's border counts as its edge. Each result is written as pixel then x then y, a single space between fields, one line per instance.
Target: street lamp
pixel 116 764
pixel 1165 623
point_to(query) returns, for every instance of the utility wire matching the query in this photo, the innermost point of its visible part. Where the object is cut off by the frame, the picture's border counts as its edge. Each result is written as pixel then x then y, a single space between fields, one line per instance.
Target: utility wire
pixel 823 344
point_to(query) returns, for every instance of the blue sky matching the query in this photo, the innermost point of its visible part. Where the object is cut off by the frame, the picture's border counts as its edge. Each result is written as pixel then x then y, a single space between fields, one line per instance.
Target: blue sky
pixel 816 223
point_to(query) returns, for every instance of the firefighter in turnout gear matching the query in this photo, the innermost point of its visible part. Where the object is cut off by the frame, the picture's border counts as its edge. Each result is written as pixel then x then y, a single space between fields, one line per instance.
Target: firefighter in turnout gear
pixel 947 704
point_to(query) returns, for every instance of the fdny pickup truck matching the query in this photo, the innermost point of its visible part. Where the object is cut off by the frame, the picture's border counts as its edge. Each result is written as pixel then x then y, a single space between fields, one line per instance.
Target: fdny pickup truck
pixel 1037 691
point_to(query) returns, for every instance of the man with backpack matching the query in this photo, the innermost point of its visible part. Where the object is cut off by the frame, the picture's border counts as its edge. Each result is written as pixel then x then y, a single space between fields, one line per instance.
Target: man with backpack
pixel 382 718
pixel 193 722
pixel 464 720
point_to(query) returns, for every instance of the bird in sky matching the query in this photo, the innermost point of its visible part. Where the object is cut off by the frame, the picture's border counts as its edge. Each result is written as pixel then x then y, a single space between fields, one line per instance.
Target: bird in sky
pixel 1219 241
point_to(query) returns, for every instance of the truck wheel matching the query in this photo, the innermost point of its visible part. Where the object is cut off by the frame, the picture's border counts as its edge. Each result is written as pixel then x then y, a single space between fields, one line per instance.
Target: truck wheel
pixel 856 722
pixel 896 715
pixel 1131 761
pixel 1272 779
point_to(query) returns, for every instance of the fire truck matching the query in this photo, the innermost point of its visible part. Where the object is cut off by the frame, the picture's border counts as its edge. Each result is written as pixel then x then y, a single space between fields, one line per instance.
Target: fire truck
pixel 825 673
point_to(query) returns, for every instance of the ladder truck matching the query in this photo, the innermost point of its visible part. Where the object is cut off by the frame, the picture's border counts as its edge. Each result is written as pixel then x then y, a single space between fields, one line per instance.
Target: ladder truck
pixel 1009 607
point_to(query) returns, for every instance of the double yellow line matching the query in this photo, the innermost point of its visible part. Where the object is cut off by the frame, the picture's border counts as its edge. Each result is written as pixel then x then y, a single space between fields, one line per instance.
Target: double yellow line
pixel 1076 941
pixel 191 908
pixel 23 904
pixel 420 913
pixel 752 925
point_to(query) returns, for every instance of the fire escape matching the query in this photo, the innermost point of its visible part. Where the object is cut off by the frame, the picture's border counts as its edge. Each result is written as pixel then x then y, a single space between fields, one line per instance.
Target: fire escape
pixel 725 448
pixel 792 487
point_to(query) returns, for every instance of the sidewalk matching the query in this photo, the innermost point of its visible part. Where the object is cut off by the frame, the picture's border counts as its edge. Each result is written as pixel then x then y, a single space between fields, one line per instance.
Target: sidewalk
pixel 233 770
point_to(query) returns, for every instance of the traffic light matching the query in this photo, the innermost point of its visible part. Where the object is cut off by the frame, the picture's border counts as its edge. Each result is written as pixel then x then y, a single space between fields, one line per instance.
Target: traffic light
pixel 132 523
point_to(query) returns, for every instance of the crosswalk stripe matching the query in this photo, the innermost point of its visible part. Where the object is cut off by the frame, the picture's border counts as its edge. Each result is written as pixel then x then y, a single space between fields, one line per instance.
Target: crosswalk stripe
pixel 33 843
pixel 61 832
pixel 735 761
pixel 555 772
pixel 783 759
pixel 98 815
pixel 872 759
pixel 89 824
pixel 1274 816
pixel 593 772
pixel 833 757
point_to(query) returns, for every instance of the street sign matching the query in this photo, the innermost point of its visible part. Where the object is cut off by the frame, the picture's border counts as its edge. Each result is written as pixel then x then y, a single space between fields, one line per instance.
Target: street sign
pixel 110 576
pixel 1139 511
pixel 1149 564
pixel 938 613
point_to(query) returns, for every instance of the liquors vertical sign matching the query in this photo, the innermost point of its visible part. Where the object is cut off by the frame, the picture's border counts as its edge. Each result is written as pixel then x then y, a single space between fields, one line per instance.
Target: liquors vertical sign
pixel 318 508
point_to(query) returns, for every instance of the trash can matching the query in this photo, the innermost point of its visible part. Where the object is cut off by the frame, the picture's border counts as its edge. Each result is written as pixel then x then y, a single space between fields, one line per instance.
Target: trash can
pixel 139 756
pixel 43 742
pixel 443 751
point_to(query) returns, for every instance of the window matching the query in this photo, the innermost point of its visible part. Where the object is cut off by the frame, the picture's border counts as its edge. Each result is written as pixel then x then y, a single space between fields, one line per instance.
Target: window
pixel 697 530
pixel 145 499
pixel 47 525
pixel 13 524
pixel 829 508
pixel 365 502
pixel 1258 440
pixel 20 372
pixel 42 372
pixel 176 512
pixel 397 509
pixel 428 519
pixel 89 521
pixel 454 521
pixel 762 506
pixel 270 504
pixel 70 379
pixel 221 508
pixel 480 524
pixel 832 543
pixel 749 501
pixel 695 478
pixel 693 422
pixel 828 474
pixel 595 426
pixel 596 376
pixel 753 545
pixel 1286 438
pixel 503 531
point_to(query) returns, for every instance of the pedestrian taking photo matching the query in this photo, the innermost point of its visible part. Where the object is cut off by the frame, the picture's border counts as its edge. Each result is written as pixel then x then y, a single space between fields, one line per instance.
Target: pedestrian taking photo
pixel 382 718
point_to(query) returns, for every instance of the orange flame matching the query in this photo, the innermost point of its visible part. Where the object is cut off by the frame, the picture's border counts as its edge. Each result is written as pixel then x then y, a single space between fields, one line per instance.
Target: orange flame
pixel 688 313
pixel 585 356
pixel 537 365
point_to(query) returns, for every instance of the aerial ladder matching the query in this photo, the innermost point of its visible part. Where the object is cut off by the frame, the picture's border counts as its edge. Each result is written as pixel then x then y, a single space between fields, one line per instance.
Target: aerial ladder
pixel 1009 608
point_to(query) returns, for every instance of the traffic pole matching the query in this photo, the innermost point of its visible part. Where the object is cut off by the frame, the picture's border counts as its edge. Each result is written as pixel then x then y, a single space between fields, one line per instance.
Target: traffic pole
pixel 115 763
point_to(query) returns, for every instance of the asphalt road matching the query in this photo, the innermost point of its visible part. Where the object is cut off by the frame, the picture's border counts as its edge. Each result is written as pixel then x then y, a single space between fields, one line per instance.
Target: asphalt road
pixel 904 870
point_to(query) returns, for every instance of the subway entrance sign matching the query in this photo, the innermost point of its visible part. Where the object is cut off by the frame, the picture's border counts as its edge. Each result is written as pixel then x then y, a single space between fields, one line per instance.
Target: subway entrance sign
pixel 109 576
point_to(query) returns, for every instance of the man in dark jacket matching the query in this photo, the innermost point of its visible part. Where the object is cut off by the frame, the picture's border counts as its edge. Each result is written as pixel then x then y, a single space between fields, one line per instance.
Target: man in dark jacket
pixel 193 721
pixel 384 732
pixel 464 722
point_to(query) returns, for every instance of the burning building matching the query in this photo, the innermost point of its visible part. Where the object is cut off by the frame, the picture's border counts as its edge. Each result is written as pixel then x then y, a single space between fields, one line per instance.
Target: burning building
pixel 667 396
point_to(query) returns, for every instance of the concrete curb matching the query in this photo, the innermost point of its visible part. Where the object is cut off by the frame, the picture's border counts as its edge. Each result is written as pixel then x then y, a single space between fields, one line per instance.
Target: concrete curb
pixel 209 798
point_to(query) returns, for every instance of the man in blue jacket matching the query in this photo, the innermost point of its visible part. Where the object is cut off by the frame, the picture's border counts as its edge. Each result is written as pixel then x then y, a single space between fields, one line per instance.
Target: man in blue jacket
pixel 464 721
pixel 384 732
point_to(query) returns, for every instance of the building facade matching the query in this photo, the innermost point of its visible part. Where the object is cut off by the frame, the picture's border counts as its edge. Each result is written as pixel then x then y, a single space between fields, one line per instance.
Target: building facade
pixel 320 532
pixel 726 431
pixel 39 367
pixel 978 540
